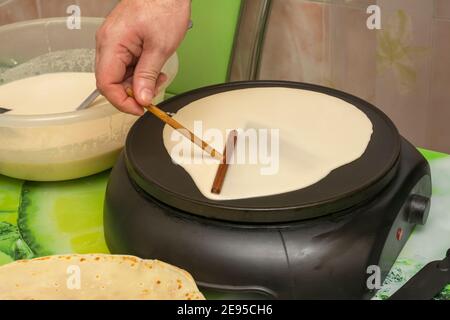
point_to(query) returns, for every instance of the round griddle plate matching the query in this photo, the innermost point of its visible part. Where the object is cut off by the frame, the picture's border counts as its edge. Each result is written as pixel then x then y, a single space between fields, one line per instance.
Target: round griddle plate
pixel 152 170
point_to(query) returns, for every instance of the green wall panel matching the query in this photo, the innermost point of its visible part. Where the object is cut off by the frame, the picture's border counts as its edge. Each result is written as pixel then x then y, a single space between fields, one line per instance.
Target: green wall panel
pixel 206 51
pixel 432 155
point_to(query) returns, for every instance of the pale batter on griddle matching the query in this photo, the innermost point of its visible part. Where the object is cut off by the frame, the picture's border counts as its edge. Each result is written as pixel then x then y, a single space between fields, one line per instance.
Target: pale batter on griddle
pixel 317 133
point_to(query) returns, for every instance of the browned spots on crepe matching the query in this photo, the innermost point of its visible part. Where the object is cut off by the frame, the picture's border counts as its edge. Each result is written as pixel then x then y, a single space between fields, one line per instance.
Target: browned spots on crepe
pixel 40 259
pixel 132 259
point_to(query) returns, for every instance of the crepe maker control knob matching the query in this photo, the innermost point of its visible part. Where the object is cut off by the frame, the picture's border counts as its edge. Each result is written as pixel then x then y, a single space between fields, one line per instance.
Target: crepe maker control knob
pixel 418 209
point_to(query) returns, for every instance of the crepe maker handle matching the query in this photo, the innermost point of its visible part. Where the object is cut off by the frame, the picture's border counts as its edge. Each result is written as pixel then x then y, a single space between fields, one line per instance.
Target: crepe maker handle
pixel 427 283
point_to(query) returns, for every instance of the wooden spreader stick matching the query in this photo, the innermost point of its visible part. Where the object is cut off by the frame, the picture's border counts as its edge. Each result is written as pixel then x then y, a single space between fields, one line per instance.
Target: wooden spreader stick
pixel 228 151
pixel 180 128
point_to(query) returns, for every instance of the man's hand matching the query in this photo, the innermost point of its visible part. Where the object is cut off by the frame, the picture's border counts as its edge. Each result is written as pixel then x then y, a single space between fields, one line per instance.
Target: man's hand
pixel 133 44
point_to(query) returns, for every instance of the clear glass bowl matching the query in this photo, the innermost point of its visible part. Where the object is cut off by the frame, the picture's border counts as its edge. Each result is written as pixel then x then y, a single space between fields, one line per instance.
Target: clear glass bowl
pixel 59 146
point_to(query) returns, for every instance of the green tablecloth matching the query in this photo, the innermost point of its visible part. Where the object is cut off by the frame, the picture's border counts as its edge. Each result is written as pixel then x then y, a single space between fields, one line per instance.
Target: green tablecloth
pixel 429 242
pixel 39 219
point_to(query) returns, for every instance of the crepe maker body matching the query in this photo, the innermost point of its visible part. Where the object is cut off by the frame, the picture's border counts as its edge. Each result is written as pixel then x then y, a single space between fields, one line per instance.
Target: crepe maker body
pixel 319 242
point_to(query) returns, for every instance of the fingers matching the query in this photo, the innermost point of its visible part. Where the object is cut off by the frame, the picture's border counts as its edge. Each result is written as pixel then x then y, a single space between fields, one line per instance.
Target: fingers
pixel 111 70
pixel 121 101
pixel 147 75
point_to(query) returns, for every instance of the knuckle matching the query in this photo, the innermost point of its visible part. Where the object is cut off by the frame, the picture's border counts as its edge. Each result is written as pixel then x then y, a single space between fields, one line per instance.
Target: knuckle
pixel 164 50
pixel 101 86
pixel 151 75
pixel 103 32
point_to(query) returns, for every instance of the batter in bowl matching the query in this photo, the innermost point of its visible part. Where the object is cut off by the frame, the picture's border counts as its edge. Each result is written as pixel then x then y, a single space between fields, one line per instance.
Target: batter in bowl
pixel 43 139
pixel 48 93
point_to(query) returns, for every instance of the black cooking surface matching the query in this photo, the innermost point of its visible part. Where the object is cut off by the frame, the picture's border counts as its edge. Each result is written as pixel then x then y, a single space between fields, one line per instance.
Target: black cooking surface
pixel 151 168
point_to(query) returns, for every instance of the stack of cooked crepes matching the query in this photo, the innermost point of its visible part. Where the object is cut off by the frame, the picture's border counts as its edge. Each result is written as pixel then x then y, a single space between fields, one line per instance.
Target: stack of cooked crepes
pixel 95 277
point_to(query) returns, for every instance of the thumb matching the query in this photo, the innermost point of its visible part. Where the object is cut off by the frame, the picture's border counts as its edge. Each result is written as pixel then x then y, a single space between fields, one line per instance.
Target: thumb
pixel 146 76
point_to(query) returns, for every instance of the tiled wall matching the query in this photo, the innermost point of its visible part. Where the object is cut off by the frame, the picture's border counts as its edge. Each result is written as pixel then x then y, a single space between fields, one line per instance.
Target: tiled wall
pixel 404 68
pixel 18 10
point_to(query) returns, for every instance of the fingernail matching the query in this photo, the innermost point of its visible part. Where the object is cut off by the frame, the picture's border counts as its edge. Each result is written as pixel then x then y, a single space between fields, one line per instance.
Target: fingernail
pixel 146 96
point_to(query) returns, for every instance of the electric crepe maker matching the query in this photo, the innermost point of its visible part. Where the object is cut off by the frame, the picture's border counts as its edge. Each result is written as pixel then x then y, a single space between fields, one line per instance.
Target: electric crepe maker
pixel 313 243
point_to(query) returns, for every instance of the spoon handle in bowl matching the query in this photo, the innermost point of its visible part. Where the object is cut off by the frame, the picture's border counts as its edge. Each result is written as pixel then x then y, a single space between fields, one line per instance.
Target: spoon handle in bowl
pixel 88 101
